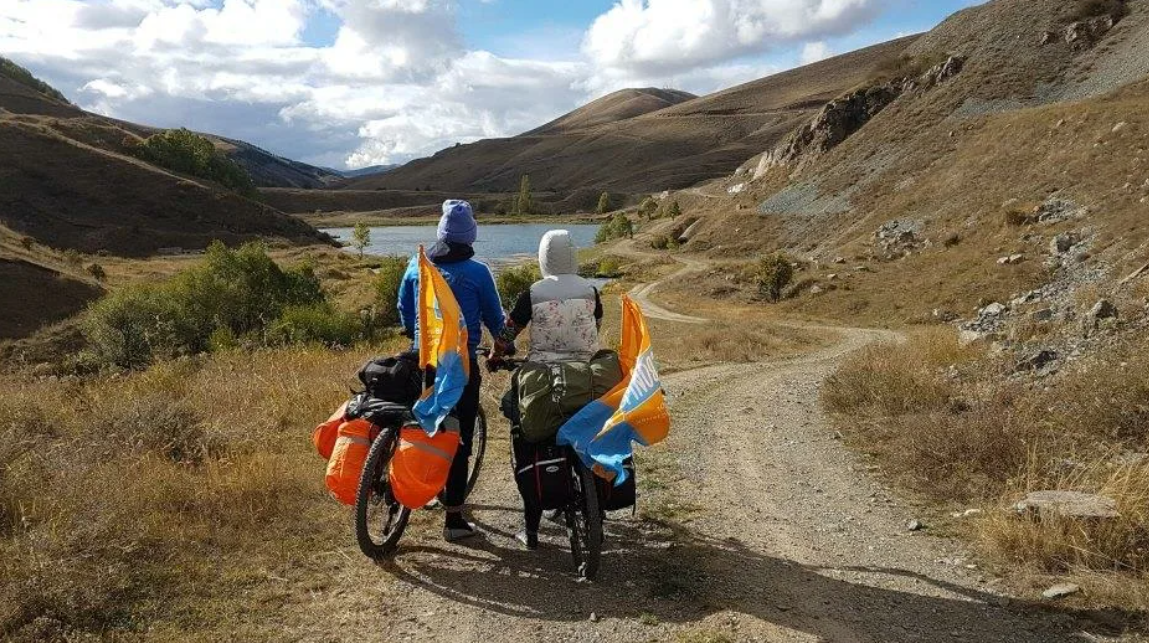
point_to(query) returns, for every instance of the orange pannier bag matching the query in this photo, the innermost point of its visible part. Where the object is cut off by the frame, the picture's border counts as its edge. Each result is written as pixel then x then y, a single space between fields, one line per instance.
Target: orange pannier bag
pixel 325 434
pixel 347 459
pixel 420 465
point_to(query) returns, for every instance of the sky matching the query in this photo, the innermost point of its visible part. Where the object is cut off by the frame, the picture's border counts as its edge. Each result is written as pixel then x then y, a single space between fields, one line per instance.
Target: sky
pixel 352 83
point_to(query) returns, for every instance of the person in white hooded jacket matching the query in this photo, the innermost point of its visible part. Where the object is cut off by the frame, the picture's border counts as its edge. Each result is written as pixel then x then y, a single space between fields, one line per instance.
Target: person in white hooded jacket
pixel 564 312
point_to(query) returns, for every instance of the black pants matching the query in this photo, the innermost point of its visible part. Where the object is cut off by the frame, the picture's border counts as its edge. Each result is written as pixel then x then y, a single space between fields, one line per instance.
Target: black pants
pixel 467 411
pixel 532 512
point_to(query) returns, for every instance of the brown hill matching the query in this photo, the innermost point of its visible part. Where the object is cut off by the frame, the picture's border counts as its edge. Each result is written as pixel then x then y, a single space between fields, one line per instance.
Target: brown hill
pixel 673 147
pixel 1041 133
pixel 619 106
pixel 67 180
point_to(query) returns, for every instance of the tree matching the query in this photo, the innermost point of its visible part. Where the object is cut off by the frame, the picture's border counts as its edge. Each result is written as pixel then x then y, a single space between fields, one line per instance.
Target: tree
pixel 604 203
pixel 773 275
pixel 361 237
pixel 525 203
pixel 648 208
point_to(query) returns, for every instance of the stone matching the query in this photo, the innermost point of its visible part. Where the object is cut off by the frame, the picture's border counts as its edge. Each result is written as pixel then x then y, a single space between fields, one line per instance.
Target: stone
pixel 1060 590
pixel 1043 315
pixel 993 310
pixel 1011 260
pixel 966 514
pixel 593 617
pixel 1103 309
pixel 1062 243
pixel 1068 504
pixel 839 260
pixel 967 337
pixel 1038 361
pixel 915 525
pixel 1120 126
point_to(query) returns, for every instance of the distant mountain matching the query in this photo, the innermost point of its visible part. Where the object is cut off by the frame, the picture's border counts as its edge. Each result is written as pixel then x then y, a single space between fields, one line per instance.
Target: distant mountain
pixel 270 170
pixel 370 170
pixel 645 140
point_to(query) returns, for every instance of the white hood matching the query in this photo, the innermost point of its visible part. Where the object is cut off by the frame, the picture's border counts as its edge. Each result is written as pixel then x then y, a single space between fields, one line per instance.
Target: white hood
pixel 557 254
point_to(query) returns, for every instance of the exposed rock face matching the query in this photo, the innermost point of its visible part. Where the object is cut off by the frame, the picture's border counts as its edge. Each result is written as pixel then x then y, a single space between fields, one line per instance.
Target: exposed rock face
pixel 1082 34
pixel 898 236
pixel 843 116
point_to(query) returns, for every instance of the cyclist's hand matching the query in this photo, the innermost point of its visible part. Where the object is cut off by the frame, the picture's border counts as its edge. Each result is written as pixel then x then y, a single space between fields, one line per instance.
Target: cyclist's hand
pixel 494 364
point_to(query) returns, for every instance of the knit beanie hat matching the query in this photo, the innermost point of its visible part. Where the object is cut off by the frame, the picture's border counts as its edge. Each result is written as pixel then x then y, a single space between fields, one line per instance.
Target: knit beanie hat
pixel 457 224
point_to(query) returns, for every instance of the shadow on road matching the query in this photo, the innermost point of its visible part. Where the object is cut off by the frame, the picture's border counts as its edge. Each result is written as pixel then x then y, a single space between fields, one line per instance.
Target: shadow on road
pixel 680 577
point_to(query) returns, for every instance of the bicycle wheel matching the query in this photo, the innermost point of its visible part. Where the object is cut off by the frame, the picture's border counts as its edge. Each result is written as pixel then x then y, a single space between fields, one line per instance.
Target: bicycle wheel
pixel 478 449
pixel 584 521
pixel 379 518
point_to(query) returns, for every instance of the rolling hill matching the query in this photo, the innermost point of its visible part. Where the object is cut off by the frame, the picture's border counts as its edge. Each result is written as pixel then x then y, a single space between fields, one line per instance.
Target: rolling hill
pixel 69 181
pixel 644 140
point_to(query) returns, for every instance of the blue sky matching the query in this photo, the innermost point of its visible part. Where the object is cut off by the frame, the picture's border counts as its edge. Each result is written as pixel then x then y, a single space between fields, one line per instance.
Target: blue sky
pixel 348 83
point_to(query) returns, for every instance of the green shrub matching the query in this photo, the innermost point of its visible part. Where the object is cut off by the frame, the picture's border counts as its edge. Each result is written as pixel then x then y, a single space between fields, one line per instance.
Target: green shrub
pixel 773 274
pixel 242 291
pixel 181 150
pixel 514 281
pixel 361 237
pixel 660 242
pixel 97 271
pixel 387 282
pixel 648 208
pixel 618 227
pixel 609 267
pixel 315 324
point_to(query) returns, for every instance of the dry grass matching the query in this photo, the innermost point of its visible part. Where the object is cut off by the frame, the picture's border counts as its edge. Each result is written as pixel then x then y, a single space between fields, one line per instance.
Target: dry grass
pixel 944 421
pixel 153 499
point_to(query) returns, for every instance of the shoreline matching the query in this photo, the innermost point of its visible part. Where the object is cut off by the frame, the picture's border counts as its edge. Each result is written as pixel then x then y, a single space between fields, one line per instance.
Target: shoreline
pixel 349 219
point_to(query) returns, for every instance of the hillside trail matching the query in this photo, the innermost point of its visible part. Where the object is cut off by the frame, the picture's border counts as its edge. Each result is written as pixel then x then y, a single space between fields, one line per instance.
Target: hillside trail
pixel 756 524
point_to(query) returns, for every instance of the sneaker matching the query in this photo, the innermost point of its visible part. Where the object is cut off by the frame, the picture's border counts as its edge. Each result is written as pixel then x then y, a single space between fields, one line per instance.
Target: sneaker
pixel 458 529
pixel 528 540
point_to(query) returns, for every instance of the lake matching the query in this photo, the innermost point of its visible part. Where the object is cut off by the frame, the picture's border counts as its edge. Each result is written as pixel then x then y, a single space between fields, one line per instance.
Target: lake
pixel 497 243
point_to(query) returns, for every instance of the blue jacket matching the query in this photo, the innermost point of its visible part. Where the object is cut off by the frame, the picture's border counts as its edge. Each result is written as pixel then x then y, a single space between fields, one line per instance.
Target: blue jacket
pixel 471 282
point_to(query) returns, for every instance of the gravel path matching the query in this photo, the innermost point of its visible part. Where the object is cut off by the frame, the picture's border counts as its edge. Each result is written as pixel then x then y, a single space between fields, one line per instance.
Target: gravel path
pixel 756 524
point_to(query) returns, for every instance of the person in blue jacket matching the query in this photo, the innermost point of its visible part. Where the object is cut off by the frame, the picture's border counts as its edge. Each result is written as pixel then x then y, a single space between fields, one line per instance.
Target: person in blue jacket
pixel 474 287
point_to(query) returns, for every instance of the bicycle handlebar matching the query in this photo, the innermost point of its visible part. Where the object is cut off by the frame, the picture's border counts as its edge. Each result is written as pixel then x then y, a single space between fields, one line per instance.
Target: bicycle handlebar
pixel 503 364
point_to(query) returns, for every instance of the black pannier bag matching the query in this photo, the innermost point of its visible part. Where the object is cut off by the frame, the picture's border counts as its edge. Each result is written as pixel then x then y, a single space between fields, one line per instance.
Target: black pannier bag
pixel 542 473
pixel 393 379
pixel 624 496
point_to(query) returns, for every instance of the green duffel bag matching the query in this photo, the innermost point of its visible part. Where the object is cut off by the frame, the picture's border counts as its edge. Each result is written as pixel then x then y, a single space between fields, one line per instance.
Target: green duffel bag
pixel 549 394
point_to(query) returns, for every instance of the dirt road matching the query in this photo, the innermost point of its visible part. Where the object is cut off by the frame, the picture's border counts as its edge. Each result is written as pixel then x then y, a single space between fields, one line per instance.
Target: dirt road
pixel 755 524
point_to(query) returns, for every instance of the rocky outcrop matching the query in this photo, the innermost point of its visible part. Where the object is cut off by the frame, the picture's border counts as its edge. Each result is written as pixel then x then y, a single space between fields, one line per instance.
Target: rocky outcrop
pixel 1082 34
pixel 844 116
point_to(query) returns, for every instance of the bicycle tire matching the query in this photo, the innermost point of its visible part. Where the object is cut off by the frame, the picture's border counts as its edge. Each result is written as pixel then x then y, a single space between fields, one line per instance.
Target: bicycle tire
pixel 372 487
pixel 478 450
pixel 584 522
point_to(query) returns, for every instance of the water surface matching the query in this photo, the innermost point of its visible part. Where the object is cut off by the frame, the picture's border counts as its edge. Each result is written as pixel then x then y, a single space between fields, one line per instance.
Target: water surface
pixel 497 244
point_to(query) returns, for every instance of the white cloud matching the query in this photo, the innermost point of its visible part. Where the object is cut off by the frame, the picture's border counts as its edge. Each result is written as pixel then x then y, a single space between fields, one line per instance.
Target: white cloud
pixel 396 80
pixel 813 52
pixel 667 36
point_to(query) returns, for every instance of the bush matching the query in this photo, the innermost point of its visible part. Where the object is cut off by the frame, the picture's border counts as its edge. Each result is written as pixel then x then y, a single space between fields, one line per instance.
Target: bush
pixel 1086 9
pixel 387 282
pixel 618 227
pixel 181 150
pixel 648 207
pixel 514 281
pixel 27 242
pixel 315 324
pixel 243 291
pixel 97 271
pixel 660 242
pixel 609 267
pixel 773 274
